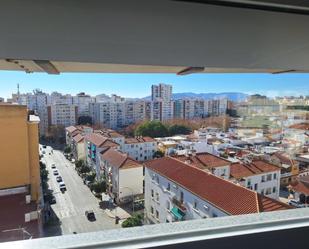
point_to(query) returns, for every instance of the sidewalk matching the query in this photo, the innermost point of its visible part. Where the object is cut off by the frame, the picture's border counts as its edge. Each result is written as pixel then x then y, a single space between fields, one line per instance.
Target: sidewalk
pixel 117 211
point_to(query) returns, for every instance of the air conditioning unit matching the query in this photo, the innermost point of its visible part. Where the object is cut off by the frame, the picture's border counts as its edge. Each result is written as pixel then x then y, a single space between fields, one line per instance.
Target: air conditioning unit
pixel 27 217
pixel 28 199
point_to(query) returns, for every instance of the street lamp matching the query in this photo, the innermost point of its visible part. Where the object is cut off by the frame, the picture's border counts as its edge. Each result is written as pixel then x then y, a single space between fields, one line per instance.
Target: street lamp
pixel 132 196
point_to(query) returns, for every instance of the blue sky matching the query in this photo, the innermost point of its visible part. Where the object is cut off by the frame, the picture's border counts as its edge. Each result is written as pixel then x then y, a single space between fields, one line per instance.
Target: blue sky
pixel 138 85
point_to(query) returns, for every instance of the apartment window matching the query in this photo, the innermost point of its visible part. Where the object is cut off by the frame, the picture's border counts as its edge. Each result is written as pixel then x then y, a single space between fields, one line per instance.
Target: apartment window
pixel 168 205
pixel 249 183
pixel 157 180
pixel 214 215
pixel 195 204
pixel 274 189
pixel 143 171
pixel 269 177
pixel 181 196
pixel 263 178
pixel 268 191
pixel 262 192
pixel 152 193
pixel 151 210
pixel 168 186
pixel 157 214
pixel 275 176
pixel 255 186
pixel 157 197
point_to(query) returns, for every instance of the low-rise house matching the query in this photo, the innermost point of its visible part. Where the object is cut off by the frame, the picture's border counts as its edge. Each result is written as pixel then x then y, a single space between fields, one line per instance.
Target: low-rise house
pixel 257 175
pixel 112 135
pixel 72 131
pixel 93 145
pixel 289 167
pixel 210 163
pixel 300 189
pixel 176 191
pixel 140 148
pixel 78 147
pixel 123 174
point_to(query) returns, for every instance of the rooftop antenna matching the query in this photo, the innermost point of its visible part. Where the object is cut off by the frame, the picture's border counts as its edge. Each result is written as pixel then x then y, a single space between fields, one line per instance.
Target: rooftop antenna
pixel 18 93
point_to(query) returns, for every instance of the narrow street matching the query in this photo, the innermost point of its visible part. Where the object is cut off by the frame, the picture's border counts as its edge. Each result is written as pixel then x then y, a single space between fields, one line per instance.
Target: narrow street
pixel 71 205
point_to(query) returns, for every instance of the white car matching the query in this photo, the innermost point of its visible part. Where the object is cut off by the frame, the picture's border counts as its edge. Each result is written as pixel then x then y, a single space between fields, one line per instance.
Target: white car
pixel 296 204
pixel 62 186
pixel 55 172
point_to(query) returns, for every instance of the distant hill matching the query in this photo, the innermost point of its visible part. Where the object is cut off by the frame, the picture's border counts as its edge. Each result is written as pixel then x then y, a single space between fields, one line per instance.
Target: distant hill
pixel 234 96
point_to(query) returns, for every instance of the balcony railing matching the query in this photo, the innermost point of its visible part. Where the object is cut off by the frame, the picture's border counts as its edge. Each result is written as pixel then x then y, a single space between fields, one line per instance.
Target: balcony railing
pixel 179 204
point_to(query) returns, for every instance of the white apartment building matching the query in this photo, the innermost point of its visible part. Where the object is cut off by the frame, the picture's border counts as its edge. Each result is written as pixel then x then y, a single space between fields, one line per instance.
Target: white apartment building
pixel 94 144
pixel 258 175
pixel 124 175
pixel 162 105
pixel 134 111
pixel 175 191
pixel 140 148
pixel 59 98
pixel 62 114
pixel 207 162
pixel 82 101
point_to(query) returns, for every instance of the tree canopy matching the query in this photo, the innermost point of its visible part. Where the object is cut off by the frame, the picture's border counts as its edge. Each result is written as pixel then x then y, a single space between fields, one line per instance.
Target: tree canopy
pixel 152 129
pixel 84 120
pixel 177 129
pixel 135 220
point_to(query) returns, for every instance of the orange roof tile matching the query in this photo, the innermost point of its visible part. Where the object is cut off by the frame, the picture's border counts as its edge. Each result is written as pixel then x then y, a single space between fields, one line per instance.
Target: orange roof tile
pixel 239 169
pixel 227 196
pixel 78 138
pixel 99 140
pixel 204 160
pixel 119 159
pixel 134 140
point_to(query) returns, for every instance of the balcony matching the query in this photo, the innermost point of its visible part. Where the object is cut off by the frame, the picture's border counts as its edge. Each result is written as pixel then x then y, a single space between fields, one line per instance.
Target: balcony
pixel 179 204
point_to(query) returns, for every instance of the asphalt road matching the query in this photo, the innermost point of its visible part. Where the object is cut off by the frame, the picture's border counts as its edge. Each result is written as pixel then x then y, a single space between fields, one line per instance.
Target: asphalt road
pixel 71 205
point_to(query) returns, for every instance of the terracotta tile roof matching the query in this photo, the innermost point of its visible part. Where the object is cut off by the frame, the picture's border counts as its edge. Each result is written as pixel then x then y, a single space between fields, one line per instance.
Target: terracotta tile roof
pixel 78 138
pixel 301 185
pixel 300 126
pixel 71 129
pixel 109 133
pixel 267 204
pixel 204 160
pixel 99 140
pixel 283 158
pixel 241 169
pixel 118 159
pixel 135 140
pixel 227 196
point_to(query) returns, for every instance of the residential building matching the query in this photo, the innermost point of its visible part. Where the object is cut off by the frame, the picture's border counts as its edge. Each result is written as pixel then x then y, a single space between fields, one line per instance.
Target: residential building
pixel 289 167
pixel 300 189
pixel 78 147
pixel 124 175
pixel 112 135
pixel 62 114
pixel 175 191
pixel 72 131
pixel 215 165
pixel 135 111
pixel 257 175
pixel 19 171
pixel 140 148
pixel 161 96
pixel 82 101
pixel 1 100
pixel 93 145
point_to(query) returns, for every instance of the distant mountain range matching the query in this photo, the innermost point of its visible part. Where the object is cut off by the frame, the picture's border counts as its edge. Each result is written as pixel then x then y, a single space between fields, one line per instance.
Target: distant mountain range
pixel 234 96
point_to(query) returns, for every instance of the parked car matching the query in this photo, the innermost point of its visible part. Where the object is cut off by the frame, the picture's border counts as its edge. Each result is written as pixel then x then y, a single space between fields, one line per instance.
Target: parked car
pixel 55 172
pixel 62 187
pixel 90 215
pixel 52 200
pixel 296 204
pixel 53 166
pixel 59 179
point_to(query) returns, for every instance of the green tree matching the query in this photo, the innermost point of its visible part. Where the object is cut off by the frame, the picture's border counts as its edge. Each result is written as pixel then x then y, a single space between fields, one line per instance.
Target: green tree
pixel 90 176
pixel 158 154
pixel 135 220
pixel 84 120
pixel 67 149
pixel 178 129
pixel 98 186
pixel 152 129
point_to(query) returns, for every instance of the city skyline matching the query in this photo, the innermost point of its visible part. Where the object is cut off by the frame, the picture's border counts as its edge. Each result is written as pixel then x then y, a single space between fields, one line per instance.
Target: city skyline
pixel 93 84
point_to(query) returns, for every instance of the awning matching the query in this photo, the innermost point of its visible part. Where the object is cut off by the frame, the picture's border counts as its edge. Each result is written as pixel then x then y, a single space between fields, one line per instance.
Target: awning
pixel 177 213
